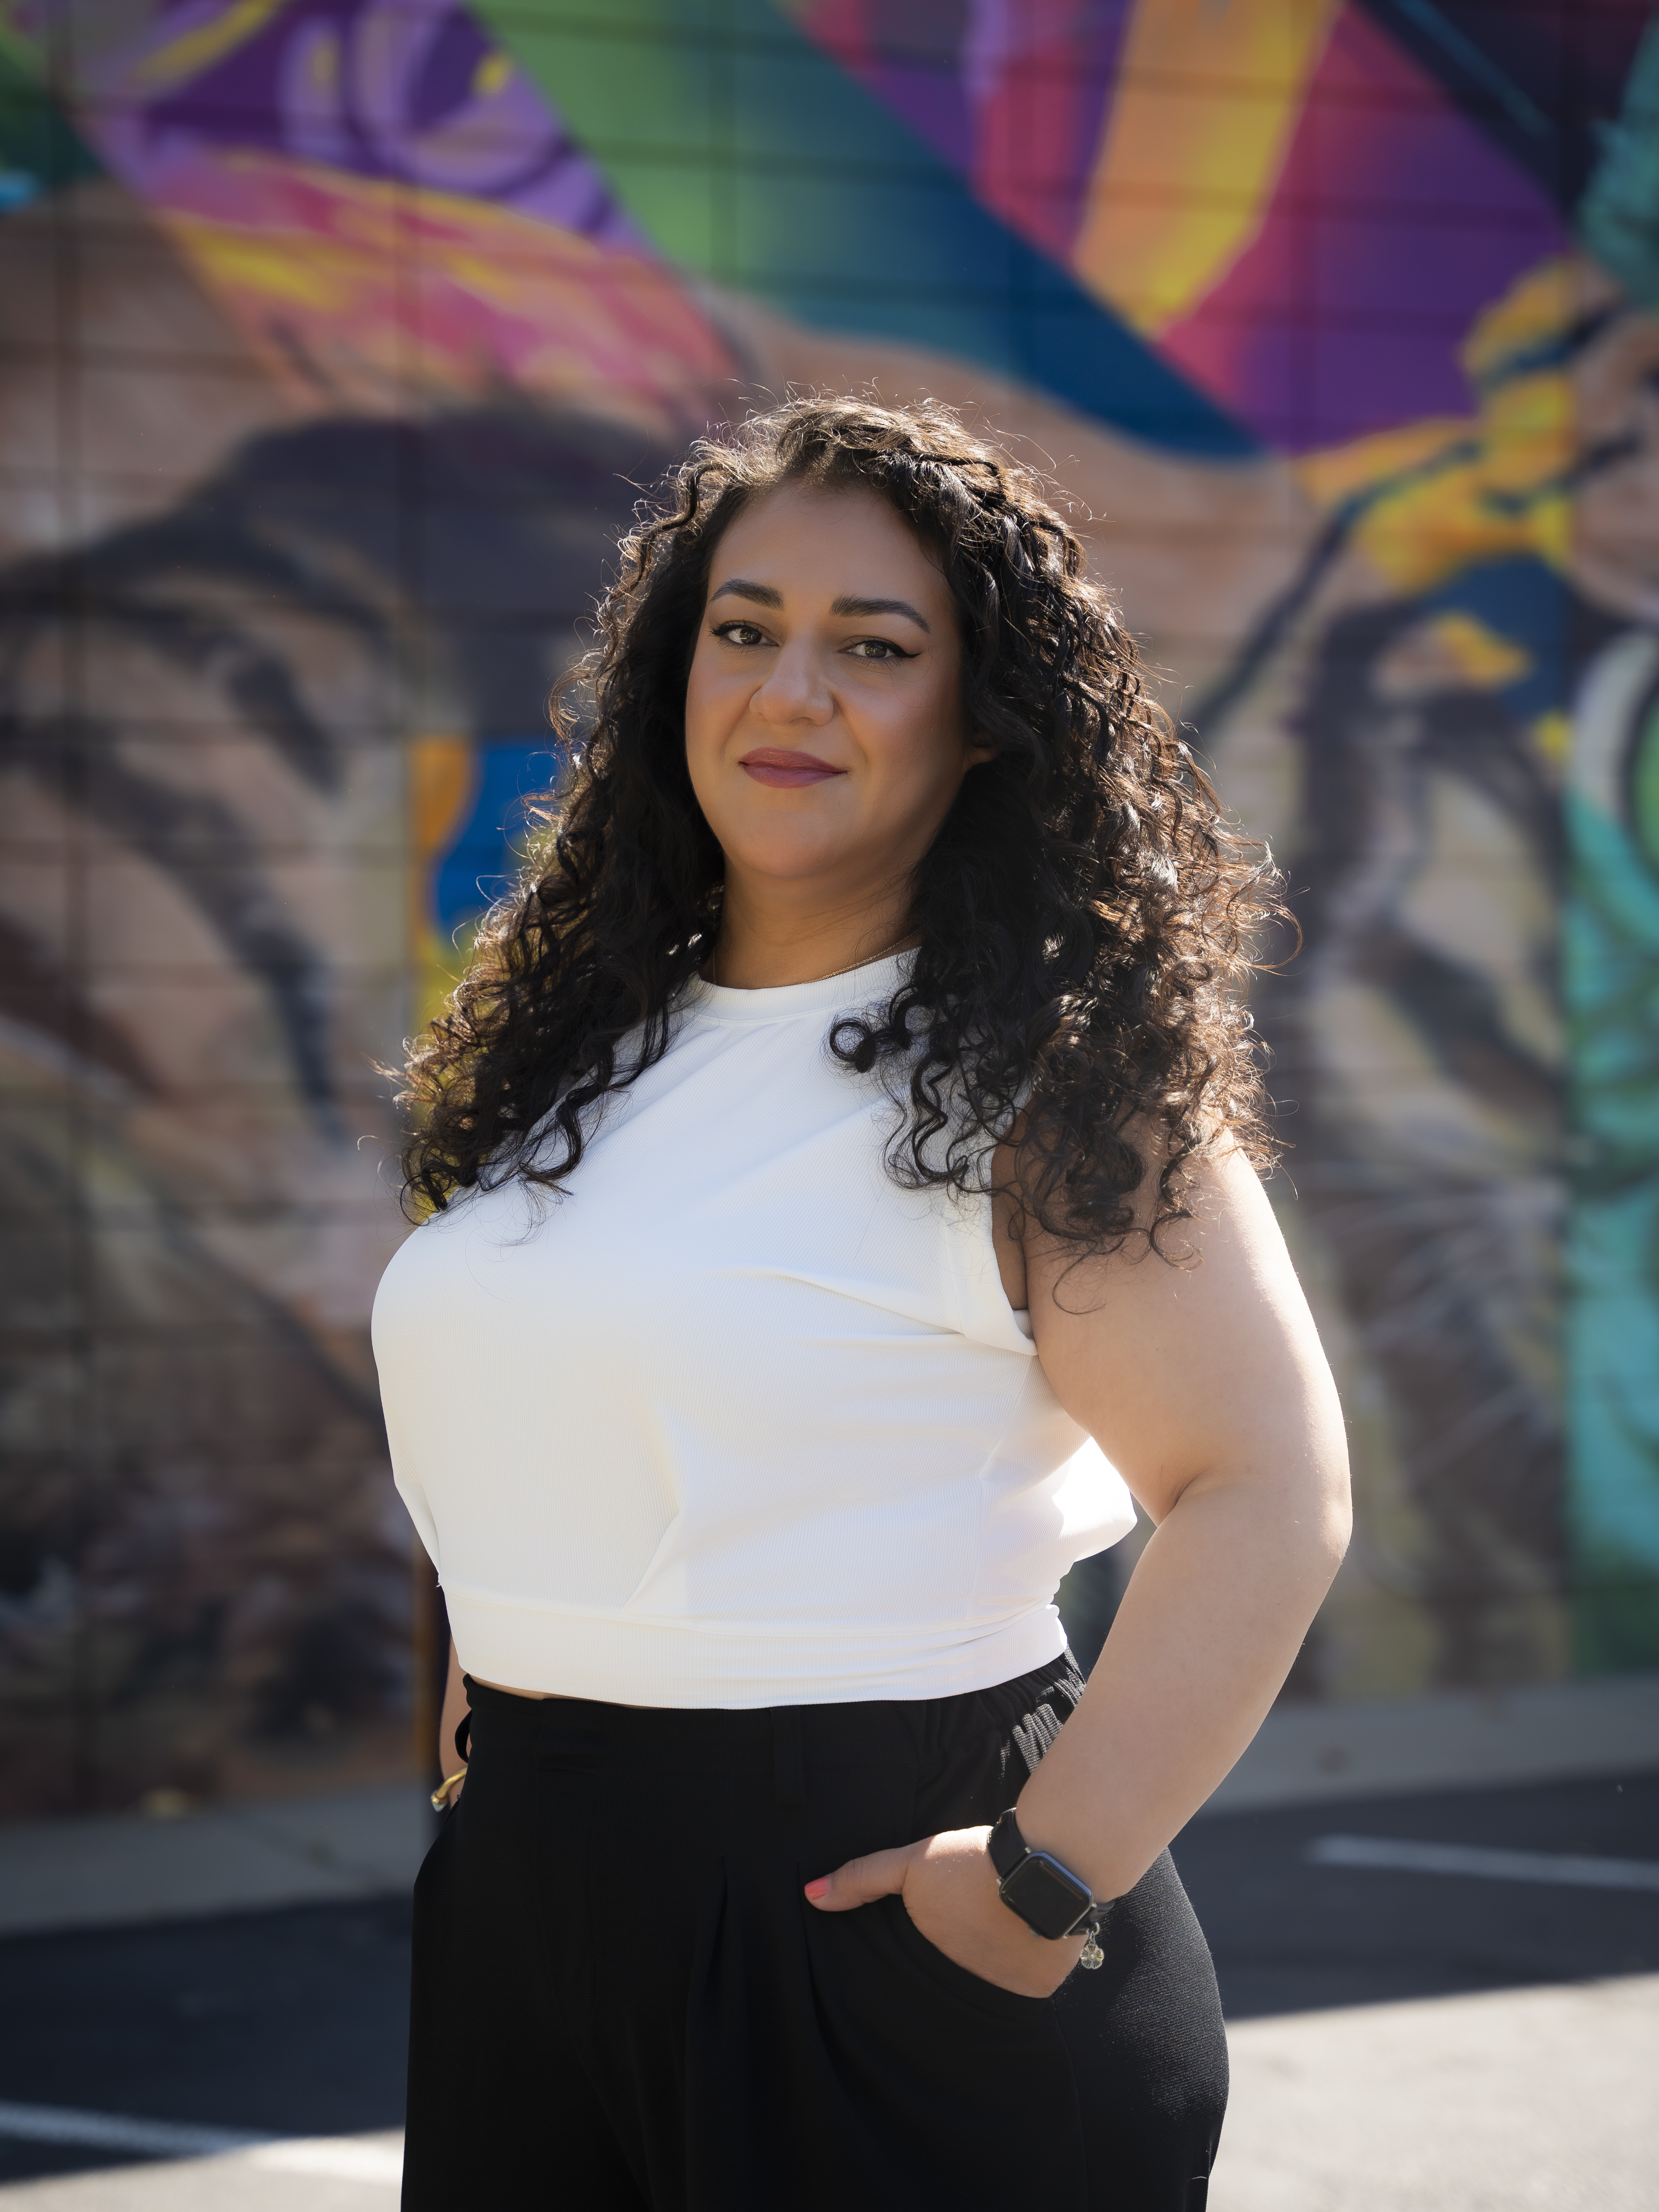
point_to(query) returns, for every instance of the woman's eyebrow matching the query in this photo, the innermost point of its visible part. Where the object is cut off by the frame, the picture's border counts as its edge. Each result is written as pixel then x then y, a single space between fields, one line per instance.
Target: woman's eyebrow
pixel 853 606
pixel 739 587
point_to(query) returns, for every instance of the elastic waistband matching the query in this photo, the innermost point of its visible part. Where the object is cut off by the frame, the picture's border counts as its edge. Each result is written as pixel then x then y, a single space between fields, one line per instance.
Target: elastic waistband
pixel 778 1737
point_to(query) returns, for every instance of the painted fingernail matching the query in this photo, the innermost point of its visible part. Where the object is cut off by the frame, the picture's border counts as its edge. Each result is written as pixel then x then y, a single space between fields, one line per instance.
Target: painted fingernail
pixel 818 1888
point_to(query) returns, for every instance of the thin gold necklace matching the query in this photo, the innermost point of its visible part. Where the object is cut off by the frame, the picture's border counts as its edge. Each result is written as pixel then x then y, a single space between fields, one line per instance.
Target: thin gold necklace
pixel 714 956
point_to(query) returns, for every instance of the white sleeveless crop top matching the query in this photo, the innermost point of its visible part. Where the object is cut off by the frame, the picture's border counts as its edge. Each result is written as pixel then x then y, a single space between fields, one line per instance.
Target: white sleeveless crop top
pixel 738 1421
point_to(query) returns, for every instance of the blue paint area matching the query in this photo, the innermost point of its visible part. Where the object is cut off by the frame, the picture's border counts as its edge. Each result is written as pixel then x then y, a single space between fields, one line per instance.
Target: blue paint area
pixel 482 859
pixel 1525 603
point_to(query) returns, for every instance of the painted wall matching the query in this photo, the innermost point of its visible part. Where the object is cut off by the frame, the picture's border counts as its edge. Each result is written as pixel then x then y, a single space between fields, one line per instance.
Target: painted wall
pixel 336 338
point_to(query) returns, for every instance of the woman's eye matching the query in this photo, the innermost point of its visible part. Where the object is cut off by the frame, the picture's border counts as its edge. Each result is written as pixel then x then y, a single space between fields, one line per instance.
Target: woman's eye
pixel 740 633
pixel 879 648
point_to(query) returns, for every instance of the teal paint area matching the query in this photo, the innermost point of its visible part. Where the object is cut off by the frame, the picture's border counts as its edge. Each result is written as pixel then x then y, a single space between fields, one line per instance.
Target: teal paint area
pixel 1618 215
pixel 39 152
pixel 1611 978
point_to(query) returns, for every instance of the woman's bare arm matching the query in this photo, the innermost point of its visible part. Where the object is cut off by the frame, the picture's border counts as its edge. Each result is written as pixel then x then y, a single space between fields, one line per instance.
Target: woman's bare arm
pixel 1206 1385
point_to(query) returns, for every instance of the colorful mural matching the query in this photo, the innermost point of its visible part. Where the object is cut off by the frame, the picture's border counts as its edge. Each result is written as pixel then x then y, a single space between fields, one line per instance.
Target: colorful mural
pixel 339 338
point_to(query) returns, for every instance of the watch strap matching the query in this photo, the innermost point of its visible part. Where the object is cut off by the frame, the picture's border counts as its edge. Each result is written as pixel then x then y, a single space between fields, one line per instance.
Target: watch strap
pixel 1007 1847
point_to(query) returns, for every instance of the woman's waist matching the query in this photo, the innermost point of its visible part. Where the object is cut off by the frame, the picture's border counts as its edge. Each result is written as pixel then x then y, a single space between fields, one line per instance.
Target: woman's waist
pixel 798 1614
pixel 837 1730
pixel 622 1656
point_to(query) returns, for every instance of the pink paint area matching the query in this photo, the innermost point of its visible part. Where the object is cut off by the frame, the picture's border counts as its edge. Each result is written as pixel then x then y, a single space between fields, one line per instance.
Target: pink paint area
pixel 785 770
pixel 364 289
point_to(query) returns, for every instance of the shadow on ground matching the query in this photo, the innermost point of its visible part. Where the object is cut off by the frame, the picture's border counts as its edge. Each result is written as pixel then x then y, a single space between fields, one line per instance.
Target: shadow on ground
pixel 1289 1936
pixel 291 2021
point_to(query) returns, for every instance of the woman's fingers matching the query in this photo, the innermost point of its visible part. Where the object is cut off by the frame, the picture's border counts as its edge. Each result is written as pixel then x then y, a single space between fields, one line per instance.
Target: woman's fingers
pixel 879 1873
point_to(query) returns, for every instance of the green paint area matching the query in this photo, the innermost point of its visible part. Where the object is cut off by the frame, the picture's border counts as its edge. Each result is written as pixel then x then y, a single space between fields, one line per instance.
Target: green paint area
pixel 751 161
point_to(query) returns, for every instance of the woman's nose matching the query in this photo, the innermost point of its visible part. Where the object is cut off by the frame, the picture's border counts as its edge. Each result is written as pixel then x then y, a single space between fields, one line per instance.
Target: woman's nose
pixel 795 691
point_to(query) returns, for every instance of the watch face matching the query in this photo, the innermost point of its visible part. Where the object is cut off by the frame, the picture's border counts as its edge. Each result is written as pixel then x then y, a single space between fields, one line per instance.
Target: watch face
pixel 1044 1895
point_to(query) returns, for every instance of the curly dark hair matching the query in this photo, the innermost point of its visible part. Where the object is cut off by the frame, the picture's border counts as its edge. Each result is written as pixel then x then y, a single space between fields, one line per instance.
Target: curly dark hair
pixel 1083 922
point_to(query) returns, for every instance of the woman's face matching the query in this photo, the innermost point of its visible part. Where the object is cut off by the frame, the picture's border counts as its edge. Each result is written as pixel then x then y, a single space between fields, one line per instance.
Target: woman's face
pixel 824 730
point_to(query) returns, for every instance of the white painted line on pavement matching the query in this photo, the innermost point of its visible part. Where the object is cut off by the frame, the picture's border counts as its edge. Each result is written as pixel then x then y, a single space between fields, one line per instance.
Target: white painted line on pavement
pixel 58 2123
pixel 1576 1870
pixel 338 2157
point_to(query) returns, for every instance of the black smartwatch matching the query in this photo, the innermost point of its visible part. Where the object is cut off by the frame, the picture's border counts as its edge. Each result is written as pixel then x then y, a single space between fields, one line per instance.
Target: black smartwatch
pixel 1048 1897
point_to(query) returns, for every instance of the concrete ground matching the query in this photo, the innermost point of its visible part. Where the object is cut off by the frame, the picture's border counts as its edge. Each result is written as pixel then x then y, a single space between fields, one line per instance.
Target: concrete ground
pixel 1402 2042
pixel 1521 2100
pixel 239 2181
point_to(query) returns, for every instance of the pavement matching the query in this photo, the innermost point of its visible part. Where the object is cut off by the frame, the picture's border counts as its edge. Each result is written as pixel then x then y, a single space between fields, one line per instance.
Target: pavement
pixel 1529 2101
pixel 1402 2041
pixel 123 1869
pixel 234 2181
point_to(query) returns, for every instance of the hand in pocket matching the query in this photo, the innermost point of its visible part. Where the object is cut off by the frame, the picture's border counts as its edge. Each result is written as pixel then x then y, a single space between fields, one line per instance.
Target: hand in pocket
pixel 949 1888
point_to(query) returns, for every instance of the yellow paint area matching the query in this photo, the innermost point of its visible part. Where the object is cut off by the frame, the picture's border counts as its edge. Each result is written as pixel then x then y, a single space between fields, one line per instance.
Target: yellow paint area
pixel 323 62
pixel 1207 96
pixel 1537 307
pixel 188 55
pixel 440 770
pixel 1340 472
pixel 323 280
pixel 440 785
pixel 493 74
pixel 1552 735
pixel 1447 493
pixel 1481 658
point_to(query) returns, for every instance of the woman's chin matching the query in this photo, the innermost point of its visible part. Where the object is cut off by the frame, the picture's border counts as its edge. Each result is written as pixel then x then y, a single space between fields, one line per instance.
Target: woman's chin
pixel 800 856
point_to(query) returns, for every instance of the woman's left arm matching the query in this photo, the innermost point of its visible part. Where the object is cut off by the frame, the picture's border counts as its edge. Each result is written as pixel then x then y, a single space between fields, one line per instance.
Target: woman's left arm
pixel 1205 1384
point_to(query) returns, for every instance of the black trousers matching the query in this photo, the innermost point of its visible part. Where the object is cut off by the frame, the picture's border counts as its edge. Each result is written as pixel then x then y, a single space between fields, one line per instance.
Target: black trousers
pixel 623 2003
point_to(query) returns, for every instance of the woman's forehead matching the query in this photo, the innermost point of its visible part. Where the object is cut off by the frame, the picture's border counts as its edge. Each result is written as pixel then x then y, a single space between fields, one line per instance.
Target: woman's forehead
pixel 814 536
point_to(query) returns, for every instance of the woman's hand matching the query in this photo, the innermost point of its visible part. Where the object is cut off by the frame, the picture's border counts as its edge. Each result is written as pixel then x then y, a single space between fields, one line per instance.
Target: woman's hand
pixel 949 1890
pixel 456 1706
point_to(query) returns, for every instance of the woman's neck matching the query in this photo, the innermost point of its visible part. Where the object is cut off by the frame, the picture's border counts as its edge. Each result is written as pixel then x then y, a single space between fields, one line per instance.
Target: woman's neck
pixel 766 944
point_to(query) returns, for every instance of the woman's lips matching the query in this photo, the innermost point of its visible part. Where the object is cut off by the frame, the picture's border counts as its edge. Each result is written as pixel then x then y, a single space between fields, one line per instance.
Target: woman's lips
pixel 788 771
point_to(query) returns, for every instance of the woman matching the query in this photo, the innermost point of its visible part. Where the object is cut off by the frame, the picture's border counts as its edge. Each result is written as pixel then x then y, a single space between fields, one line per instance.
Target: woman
pixel 839 1149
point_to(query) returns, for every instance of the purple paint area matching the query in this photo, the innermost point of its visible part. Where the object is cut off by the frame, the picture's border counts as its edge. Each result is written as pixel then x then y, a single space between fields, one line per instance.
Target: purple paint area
pixel 1359 371
pixel 1011 94
pixel 1396 222
pixel 927 94
pixel 1040 75
pixel 1443 267
pixel 410 91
